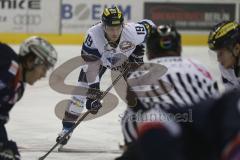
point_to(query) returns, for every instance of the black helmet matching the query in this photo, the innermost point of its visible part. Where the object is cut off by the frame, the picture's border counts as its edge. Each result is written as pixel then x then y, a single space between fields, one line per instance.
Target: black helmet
pixel 112 17
pixel 164 38
pixel 224 34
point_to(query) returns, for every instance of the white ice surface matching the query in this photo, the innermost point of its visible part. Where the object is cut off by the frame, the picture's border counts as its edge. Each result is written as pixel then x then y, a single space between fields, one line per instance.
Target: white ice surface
pixel 33 124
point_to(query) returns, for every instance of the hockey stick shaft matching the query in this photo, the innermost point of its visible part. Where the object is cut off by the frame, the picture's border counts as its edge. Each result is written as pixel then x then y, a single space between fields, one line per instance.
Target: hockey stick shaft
pixel 79 120
pixel 62 139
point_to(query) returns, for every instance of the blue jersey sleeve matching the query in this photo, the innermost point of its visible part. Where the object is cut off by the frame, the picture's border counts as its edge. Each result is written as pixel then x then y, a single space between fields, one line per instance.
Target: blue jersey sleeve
pixel 9 82
pixel 89 51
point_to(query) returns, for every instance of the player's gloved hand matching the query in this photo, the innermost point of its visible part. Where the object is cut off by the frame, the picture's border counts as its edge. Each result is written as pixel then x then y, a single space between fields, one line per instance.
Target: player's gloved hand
pixel 9 151
pixel 93 105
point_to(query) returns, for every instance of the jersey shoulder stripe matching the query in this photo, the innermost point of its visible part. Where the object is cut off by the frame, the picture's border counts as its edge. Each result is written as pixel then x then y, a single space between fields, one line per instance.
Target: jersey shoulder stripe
pixel 90 51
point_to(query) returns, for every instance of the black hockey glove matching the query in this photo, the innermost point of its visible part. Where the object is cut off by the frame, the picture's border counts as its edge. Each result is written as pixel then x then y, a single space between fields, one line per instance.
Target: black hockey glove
pixel 93 105
pixel 9 151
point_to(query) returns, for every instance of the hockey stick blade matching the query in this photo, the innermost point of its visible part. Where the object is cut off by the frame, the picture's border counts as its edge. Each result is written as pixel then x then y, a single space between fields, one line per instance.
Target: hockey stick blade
pixel 62 139
pixel 74 150
pixel 71 150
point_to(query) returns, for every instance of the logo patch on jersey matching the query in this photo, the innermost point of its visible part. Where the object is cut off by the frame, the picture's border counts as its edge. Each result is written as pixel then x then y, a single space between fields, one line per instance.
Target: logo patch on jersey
pixel 126 46
pixel 113 60
pixel 116 59
pixel 13 68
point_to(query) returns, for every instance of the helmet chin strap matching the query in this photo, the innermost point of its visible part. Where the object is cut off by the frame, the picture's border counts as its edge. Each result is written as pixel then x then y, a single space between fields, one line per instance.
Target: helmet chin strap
pixel 25 70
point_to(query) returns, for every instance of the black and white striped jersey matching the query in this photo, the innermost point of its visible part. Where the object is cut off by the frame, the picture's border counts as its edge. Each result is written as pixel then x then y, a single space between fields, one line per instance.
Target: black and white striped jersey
pixel 185 82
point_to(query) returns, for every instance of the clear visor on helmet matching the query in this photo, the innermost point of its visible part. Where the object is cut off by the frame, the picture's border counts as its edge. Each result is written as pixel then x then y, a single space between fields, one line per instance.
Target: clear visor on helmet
pixel 219 53
pixel 212 55
pixel 46 56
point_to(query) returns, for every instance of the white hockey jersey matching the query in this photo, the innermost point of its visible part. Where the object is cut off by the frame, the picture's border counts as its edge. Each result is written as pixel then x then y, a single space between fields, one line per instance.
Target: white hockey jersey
pixel 96 44
pixel 229 78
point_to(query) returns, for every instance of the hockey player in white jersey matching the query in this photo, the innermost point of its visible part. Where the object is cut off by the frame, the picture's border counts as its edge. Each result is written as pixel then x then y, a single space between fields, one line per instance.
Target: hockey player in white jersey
pixel 112 43
pixel 224 39
pixel 185 82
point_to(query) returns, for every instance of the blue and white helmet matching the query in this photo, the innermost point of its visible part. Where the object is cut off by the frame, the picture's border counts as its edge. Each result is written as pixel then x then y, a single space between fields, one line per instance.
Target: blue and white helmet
pixel 45 52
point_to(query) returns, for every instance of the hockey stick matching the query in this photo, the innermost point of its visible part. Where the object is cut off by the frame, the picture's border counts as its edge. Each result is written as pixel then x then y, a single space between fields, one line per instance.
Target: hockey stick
pixel 85 114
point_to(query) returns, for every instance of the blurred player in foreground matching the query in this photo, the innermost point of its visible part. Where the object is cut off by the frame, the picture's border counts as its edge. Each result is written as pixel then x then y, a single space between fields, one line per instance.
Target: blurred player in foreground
pixel 35 58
